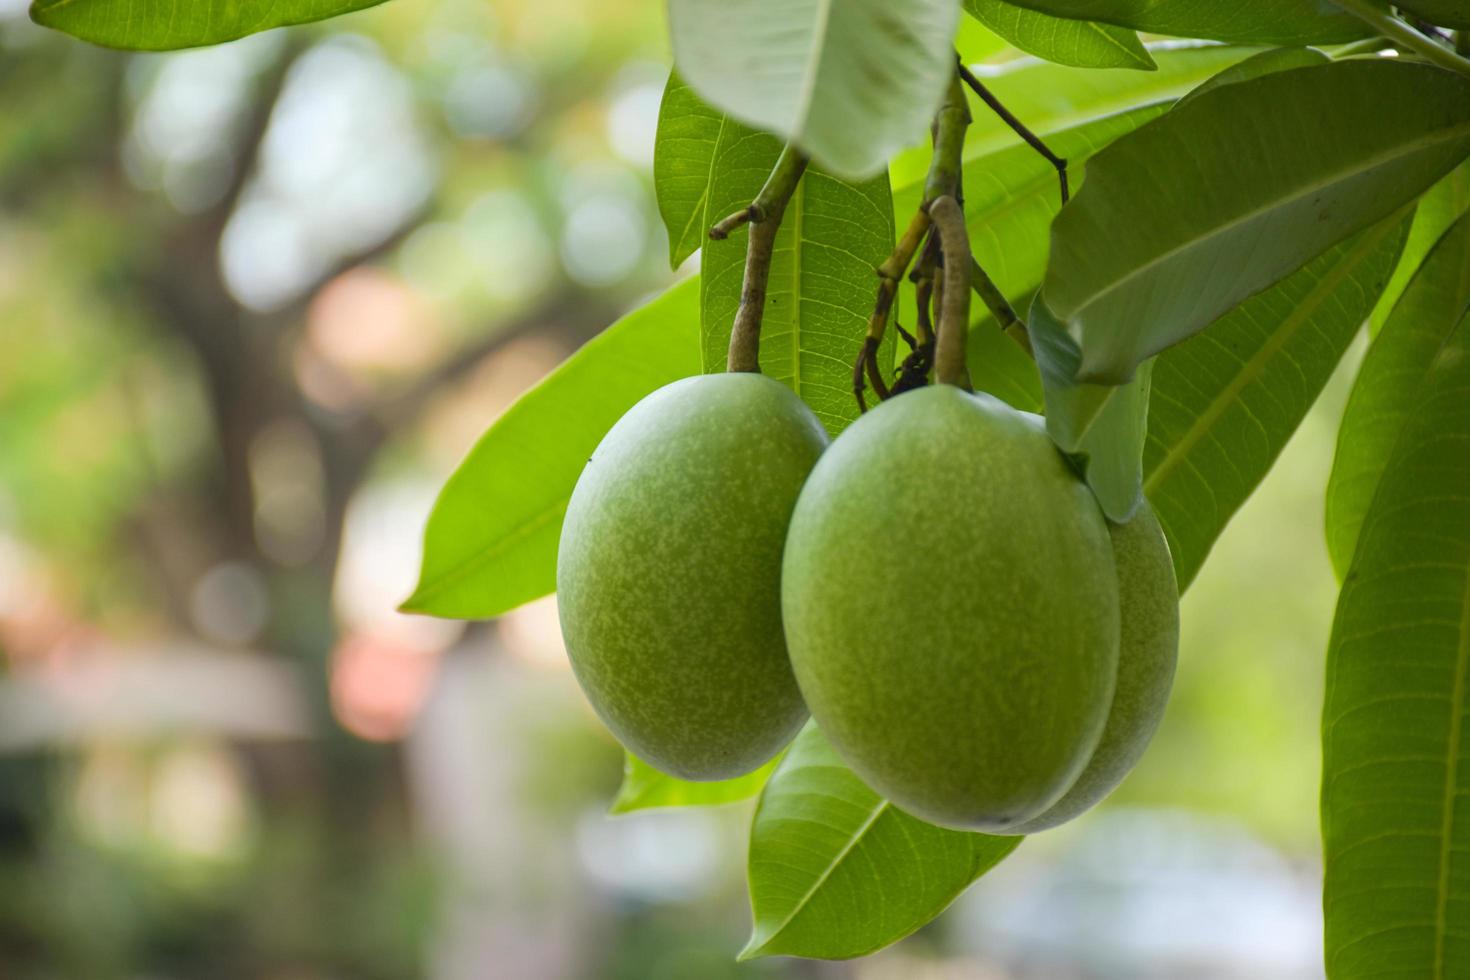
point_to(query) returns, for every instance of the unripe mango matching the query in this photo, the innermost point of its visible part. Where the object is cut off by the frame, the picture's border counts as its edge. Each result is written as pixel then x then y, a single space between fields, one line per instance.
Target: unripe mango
pixel 951 608
pixel 668 574
pixel 1148 648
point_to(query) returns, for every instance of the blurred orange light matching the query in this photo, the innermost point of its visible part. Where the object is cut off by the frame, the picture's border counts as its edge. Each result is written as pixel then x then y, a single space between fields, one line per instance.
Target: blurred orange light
pixel 379 685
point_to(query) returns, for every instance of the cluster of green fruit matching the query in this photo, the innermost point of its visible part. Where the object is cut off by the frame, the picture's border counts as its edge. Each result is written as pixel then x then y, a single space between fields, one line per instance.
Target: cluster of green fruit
pixel 938 589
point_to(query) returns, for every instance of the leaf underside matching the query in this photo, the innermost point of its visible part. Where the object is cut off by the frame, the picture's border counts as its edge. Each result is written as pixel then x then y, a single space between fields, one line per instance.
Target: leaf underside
pixel 1395 732
pixel 1261 176
pixel 850 83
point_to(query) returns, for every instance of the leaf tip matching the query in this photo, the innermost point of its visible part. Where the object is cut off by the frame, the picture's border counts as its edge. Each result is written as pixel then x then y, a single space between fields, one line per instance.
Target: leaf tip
pixel 754 949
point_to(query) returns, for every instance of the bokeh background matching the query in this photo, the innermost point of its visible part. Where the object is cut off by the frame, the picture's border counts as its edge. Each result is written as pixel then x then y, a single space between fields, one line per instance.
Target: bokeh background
pixel 255 303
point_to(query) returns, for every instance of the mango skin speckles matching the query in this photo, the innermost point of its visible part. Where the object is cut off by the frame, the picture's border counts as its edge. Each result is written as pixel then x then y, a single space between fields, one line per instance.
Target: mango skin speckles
pixel 668 575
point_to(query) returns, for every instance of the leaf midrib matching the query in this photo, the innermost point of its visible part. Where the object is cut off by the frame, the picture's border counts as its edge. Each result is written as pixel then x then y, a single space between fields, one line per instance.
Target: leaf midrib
pixel 827 872
pixel 1451 775
pixel 1340 175
pixel 807 96
pixel 1252 368
pixel 462 569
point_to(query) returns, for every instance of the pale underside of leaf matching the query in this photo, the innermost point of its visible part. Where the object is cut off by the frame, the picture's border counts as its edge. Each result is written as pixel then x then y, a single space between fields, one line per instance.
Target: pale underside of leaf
pixel 1247 184
pixel 850 83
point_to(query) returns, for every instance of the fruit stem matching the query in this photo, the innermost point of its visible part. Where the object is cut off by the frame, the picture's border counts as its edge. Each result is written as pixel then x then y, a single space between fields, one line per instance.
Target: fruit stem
pixel 954 314
pixel 1018 127
pixel 950 123
pixel 999 307
pixel 890 273
pixel 1403 36
pixel 764 217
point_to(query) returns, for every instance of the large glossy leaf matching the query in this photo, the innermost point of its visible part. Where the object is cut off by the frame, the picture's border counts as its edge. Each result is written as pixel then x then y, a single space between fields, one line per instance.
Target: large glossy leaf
pixel 646 788
pixel 1235 189
pixel 1439 208
pixel 1225 402
pixel 1052 97
pixel 836 871
pixel 158 25
pixel 850 83
pixel 1081 43
pixel 1389 383
pixel 491 540
pixel 1396 725
pixel 821 288
pixel 1445 13
pixel 1242 21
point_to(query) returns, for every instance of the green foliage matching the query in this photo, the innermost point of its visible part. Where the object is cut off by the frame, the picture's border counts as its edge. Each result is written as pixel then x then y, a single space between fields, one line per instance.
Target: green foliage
pixel 1263 175
pixel 836 871
pixel 1240 21
pixel 158 25
pixel 832 236
pixel 490 544
pixel 645 788
pixel 1262 63
pixel 1225 402
pixel 1437 209
pixel 1395 736
pixel 1445 13
pixel 1389 384
pixel 1240 210
pixel 1080 43
pixel 849 83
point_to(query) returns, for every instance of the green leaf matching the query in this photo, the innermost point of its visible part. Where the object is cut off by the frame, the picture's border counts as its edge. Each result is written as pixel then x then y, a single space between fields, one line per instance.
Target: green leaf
pixel 1396 725
pixel 1389 384
pixel 836 871
pixel 1080 43
pixel 1241 21
pixel 1445 13
pixel 1439 208
pixel 1101 427
pixel 850 83
pixel 1000 367
pixel 689 137
pixel 822 284
pixel 161 25
pixel 1263 63
pixel 1225 402
pixel 646 788
pixel 491 540
pixel 1235 189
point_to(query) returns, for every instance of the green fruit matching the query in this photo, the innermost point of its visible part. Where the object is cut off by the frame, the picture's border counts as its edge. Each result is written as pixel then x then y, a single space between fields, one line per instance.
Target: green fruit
pixel 1148 603
pixel 668 575
pixel 952 608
